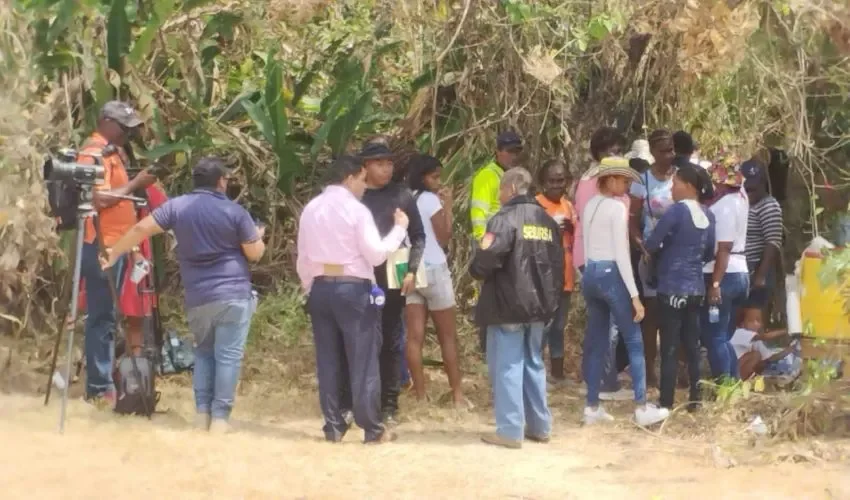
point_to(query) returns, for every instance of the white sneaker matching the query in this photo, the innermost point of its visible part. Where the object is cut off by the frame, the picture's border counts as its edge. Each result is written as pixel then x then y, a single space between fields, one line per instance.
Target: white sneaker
pixel 219 426
pixel 598 415
pixel 620 395
pixel 650 415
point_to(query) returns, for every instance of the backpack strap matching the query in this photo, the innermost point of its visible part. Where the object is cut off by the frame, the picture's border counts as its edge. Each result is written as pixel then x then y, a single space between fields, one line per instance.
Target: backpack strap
pixel 589 225
pixel 646 200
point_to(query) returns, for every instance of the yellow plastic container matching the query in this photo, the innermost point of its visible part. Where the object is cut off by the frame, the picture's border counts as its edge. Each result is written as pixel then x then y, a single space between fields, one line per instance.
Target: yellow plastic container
pixel 821 308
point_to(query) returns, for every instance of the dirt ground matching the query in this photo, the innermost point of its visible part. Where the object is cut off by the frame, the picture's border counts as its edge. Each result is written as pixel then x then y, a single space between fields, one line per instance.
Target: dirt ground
pixel 277 452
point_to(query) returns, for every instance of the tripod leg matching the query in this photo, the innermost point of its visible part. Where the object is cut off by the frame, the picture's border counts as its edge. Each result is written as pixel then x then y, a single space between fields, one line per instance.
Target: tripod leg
pixel 75 295
pixel 63 318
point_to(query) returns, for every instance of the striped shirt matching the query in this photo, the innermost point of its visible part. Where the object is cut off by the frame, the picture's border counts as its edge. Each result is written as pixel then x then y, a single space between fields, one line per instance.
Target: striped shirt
pixel 764 227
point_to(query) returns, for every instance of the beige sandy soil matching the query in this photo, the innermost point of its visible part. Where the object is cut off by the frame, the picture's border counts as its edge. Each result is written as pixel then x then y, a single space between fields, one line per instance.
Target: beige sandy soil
pixel 276 452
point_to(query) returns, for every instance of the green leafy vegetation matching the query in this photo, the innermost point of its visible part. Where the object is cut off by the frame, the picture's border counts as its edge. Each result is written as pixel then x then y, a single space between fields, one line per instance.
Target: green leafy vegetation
pixel 280 87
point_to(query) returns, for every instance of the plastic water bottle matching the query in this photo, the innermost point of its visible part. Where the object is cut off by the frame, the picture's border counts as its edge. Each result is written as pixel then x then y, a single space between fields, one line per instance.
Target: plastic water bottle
pixel 58 380
pixel 713 314
pixel 377 296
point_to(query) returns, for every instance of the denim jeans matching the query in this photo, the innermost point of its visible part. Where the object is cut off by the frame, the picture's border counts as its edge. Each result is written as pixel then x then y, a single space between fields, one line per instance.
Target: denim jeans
pixel 100 321
pixel 610 382
pixel 220 330
pixel 518 377
pixel 715 336
pixel 606 295
pixel 553 334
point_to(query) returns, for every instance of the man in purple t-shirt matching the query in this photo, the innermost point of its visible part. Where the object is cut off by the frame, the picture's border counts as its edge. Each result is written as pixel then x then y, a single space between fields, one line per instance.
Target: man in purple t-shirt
pixel 215 240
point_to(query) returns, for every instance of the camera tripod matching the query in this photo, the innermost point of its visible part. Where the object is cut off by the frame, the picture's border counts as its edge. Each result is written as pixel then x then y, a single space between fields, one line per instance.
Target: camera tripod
pixel 85 209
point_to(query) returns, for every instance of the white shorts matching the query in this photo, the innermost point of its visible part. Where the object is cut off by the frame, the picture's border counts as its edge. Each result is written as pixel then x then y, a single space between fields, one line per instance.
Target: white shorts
pixel 439 295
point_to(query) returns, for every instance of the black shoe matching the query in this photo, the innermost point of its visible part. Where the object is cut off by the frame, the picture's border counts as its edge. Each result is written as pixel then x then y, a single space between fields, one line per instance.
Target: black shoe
pixel 386 437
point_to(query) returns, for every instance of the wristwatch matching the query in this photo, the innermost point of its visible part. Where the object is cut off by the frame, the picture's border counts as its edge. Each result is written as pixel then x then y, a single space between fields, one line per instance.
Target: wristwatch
pixel 715 285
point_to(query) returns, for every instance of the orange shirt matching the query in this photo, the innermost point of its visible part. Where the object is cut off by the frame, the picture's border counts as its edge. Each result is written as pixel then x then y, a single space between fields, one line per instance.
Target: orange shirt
pixel 565 209
pixel 116 220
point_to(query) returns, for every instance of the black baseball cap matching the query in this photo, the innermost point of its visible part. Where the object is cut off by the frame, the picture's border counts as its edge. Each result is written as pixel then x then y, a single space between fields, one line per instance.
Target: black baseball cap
pixel 375 150
pixel 508 139
pixel 753 172
pixel 211 169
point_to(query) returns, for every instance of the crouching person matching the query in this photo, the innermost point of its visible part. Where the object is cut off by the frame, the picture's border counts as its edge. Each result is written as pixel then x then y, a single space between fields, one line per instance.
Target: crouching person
pixel 521 263
pixel 215 240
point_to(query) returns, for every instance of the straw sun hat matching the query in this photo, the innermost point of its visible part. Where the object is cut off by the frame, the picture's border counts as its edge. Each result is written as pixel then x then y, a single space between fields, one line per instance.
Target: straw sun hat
pixel 617 165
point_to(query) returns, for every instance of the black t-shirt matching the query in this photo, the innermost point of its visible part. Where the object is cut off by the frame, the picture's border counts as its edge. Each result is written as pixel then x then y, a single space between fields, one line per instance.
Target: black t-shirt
pixel 382 203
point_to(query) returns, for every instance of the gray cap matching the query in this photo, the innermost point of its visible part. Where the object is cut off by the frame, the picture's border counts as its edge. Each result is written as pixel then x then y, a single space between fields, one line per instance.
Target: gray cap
pixel 122 113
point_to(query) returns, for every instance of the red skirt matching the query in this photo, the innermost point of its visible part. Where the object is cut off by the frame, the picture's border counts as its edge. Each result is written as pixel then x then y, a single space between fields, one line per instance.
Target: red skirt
pixel 135 299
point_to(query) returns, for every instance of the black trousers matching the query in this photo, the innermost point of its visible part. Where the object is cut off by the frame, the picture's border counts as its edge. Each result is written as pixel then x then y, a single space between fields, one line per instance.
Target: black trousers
pixel 679 323
pixel 391 351
pixel 347 338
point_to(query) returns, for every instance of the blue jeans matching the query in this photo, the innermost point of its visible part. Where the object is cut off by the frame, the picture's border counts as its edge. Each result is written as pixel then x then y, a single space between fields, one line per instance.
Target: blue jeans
pixel 715 336
pixel 553 335
pixel 220 330
pixel 101 320
pixel 518 377
pixel 606 296
pixel 610 382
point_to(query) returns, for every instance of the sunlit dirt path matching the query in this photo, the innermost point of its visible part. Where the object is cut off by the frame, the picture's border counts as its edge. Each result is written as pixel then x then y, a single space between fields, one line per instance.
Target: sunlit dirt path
pixel 276 453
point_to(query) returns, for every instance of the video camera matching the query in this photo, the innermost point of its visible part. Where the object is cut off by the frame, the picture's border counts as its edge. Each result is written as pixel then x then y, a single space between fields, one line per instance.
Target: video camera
pixel 69 186
pixel 64 168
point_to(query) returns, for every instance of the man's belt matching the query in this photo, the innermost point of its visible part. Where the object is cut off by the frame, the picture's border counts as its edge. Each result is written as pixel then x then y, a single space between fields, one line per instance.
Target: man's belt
pixel 334 273
pixel 343 279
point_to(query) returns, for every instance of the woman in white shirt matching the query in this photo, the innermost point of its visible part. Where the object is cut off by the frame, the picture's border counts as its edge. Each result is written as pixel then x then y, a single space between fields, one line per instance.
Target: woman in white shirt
pixel 727 276
pixel 437 298
pixel 609 289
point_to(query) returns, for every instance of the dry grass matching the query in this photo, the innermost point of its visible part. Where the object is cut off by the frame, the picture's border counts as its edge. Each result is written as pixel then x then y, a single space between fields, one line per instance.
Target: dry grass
pixel 277 450
pixel 26 232
pixel 277 453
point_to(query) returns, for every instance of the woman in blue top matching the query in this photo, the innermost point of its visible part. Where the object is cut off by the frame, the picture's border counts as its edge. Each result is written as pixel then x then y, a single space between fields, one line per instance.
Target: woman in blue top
pixel 681 243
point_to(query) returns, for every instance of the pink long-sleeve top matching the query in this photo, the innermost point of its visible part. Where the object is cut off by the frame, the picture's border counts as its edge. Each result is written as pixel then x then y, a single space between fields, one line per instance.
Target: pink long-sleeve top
pixel 336 229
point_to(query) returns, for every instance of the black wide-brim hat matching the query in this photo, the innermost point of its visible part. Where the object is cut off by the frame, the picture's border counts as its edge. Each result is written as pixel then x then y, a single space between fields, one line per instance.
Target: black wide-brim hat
pixel 375 151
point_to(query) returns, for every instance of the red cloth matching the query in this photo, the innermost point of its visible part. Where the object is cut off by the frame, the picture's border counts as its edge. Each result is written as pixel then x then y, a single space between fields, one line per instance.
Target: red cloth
pixel 134 301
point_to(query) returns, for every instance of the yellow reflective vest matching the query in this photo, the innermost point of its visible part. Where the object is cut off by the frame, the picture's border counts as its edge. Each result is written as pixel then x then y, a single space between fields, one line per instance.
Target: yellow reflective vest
pixel 484 197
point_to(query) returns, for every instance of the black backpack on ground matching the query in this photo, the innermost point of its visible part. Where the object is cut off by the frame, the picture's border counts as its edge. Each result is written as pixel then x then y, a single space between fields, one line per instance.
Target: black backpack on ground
pixel 135 380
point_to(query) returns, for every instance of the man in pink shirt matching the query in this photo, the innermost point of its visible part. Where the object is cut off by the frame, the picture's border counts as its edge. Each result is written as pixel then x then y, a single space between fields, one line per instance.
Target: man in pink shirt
pixel 338 249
